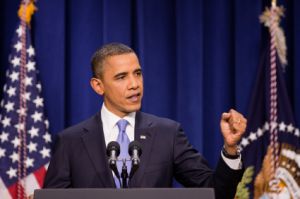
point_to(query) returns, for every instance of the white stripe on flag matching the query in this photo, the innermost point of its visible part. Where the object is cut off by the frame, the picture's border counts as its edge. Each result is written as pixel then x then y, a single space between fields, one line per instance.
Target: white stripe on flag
pixel 46 166
pixel 4 194
pixel 31 184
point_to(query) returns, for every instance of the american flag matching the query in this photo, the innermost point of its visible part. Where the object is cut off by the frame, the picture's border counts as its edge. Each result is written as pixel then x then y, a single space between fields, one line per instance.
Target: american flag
pixel 24 137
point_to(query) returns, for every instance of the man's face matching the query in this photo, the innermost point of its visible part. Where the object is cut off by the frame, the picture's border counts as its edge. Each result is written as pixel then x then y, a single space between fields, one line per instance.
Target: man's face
pixel 122 84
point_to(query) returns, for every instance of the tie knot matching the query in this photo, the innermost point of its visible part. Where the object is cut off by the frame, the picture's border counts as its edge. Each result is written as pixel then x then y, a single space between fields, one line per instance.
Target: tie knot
pixel 122 125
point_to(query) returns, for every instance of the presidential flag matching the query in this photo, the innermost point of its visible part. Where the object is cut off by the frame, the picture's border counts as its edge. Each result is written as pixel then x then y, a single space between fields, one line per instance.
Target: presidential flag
pixel 271 145
pixel 24 137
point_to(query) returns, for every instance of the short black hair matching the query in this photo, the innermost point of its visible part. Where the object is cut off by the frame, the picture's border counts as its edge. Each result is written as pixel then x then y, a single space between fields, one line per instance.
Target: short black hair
pixel 105 51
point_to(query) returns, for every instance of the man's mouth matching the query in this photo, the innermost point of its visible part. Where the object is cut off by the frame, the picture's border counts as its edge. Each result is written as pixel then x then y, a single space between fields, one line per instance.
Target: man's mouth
pixel 134 97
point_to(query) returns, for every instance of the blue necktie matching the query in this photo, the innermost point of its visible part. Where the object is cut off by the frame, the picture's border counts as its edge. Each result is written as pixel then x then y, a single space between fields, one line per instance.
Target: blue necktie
pixel 124 141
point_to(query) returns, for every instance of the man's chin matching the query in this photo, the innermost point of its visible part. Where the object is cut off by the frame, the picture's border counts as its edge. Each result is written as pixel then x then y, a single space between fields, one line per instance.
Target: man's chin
pixel 133 108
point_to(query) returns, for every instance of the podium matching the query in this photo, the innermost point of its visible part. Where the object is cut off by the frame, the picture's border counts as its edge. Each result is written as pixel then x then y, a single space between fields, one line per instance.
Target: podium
pixel 132 193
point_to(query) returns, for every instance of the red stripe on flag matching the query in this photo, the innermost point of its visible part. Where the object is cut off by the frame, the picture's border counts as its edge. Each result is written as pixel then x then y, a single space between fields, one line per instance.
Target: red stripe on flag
pixel 40 174
pixel 13 190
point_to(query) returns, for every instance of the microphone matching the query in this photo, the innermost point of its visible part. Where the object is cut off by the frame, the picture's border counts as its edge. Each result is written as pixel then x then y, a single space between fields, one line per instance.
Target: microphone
pixel 113 151
pixel 135 151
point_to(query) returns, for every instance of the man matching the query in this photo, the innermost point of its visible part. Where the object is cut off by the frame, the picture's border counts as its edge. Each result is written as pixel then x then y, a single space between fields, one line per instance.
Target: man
pixel 80 159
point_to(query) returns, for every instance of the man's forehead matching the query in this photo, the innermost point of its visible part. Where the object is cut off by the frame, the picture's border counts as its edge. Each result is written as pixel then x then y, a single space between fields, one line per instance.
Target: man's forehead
pixel 125 60
pixel 121 56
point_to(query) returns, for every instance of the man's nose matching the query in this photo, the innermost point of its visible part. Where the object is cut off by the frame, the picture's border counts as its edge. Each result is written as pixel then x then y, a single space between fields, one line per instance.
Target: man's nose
pixel 133 83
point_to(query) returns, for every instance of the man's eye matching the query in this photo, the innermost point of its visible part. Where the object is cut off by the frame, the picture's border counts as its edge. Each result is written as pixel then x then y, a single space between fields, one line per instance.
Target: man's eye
pixel 120 77
pixel 138 73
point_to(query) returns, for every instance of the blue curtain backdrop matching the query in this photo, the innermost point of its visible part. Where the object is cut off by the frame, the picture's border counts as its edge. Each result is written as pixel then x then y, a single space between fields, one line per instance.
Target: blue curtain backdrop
pixel 199 57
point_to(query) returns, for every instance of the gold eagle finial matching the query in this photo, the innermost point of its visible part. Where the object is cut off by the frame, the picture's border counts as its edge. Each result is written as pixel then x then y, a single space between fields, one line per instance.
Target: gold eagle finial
pixel 26 11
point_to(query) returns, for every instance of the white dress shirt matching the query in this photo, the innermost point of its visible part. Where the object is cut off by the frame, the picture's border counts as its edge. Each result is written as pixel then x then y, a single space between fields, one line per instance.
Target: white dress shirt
pixel 110 127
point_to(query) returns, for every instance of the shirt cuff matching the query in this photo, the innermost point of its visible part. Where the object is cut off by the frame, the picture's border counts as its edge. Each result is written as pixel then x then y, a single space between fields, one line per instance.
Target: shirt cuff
pixel 235 164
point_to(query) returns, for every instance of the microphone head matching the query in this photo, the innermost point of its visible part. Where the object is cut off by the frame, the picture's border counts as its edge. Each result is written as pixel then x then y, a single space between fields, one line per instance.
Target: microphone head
pixel 113 145
pixel 135 145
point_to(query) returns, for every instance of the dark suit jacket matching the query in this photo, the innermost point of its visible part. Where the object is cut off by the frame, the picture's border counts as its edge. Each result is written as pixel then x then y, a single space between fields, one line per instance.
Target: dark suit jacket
pixel 80 160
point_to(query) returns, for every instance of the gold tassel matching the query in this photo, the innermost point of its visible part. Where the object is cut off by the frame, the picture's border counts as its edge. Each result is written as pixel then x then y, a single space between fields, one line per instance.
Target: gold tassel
pixel 280 42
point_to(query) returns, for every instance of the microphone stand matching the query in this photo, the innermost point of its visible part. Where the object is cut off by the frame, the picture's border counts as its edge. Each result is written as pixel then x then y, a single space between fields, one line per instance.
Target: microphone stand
pixel 124 175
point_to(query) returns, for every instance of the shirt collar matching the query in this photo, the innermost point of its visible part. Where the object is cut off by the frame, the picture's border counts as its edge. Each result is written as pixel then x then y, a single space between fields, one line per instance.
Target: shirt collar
pixel 111 119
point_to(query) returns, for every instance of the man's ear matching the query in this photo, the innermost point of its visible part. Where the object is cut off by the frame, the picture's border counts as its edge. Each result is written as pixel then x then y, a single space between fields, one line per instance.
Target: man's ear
pixel 97 86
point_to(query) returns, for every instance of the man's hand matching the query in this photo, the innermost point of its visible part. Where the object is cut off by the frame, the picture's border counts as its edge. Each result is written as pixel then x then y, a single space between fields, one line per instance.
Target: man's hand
pixel 233 125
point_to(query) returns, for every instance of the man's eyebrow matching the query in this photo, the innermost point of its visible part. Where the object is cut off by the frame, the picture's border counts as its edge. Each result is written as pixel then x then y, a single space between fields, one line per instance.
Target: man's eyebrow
pixel 138 70
pixel 120 74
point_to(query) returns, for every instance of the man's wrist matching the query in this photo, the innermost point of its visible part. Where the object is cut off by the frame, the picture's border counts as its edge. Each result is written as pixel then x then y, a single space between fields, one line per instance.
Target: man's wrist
pixel 231 152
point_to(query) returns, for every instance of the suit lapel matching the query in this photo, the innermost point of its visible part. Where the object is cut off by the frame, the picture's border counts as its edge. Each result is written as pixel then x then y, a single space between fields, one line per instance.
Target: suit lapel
pixel 94 143
pixel 144 135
